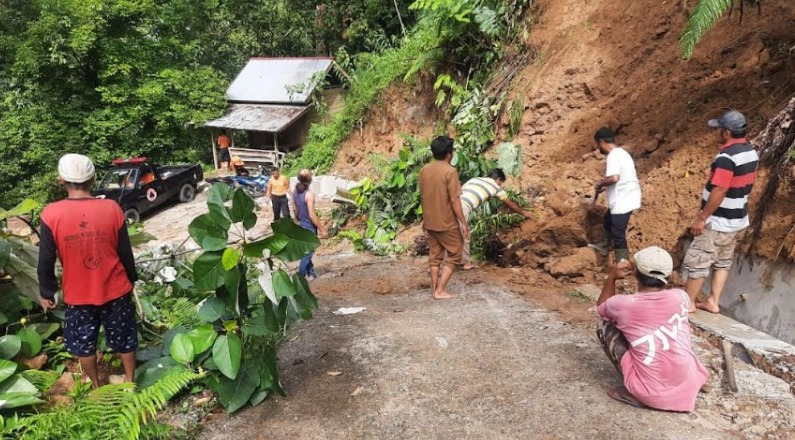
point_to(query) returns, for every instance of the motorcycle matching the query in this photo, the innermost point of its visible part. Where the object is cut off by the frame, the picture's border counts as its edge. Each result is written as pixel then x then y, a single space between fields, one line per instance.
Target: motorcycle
pixel 255 186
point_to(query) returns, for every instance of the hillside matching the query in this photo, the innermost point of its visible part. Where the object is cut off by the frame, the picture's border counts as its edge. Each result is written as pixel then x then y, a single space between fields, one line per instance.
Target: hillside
pixel 598 63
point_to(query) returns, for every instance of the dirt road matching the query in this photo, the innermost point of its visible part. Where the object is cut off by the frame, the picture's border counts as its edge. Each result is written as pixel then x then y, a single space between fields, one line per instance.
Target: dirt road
pixel 491 364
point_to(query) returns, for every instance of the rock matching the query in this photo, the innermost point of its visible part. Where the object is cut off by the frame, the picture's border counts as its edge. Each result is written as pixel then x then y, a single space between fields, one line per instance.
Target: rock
pixel 576 264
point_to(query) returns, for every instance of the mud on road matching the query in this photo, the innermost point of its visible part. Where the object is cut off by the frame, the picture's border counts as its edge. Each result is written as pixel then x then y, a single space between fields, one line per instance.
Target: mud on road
pixel 497 363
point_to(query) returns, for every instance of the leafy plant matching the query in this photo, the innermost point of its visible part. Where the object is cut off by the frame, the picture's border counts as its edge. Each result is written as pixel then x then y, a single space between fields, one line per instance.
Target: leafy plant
pixel 18 257
pixel 486 222
pixel 705 15
pixel 238 315
pixel 109 412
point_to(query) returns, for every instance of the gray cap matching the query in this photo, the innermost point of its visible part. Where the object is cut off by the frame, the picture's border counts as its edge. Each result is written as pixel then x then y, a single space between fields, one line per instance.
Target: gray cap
pixel 732 121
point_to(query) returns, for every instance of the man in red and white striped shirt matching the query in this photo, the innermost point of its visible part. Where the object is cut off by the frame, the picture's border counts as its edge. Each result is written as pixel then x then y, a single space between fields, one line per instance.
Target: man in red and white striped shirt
pixel 724 210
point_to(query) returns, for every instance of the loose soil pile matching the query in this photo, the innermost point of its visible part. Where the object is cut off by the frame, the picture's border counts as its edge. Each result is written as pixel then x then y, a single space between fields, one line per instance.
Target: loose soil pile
pixel 617 63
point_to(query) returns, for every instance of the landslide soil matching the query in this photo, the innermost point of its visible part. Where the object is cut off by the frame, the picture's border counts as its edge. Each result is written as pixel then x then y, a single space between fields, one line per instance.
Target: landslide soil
pixel 595 63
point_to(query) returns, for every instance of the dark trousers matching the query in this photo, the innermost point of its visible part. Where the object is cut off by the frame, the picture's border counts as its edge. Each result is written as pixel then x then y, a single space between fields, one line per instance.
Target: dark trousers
pixel 616 225
pixel 281 207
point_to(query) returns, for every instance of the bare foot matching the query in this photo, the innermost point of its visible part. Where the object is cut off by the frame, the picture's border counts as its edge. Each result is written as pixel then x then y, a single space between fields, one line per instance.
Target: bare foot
pixel 709 306
pixel 692 309
pixel 443 295
pixel 469 266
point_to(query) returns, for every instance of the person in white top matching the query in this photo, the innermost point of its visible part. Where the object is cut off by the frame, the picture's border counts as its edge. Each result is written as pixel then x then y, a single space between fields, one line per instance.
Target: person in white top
pixel 623 194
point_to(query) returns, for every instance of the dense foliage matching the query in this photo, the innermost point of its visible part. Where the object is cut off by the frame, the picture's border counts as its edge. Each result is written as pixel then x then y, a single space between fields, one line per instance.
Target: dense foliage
pixel 125 77
pixel 216 319
pixel 460 37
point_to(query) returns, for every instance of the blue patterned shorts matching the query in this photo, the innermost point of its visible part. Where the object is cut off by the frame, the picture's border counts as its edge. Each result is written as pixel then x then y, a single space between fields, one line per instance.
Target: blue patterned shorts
pixel 83 321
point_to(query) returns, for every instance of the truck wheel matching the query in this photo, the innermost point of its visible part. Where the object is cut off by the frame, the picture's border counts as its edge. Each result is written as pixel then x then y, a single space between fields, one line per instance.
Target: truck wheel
pixel 132 215
pixel 187 193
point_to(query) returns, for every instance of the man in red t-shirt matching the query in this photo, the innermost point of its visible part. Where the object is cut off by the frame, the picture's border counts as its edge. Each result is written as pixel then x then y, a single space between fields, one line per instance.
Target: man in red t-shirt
pixel 89 237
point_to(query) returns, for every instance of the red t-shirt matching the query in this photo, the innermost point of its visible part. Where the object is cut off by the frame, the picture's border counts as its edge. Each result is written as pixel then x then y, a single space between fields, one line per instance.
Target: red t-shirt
pixel 90 237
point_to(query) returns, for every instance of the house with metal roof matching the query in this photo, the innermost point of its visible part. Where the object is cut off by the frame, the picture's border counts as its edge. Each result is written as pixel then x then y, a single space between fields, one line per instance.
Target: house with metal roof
pixel 273 101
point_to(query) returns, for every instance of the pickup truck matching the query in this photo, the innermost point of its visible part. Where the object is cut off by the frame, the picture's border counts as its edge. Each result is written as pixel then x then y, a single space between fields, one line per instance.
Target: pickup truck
pixel 139 186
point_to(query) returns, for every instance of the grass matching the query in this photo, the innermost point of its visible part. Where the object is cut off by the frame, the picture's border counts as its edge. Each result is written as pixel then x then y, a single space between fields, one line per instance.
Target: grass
pixel 579 296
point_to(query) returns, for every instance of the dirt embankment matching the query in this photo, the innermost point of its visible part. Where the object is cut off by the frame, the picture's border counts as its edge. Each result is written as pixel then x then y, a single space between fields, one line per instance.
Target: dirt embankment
pixel 617 64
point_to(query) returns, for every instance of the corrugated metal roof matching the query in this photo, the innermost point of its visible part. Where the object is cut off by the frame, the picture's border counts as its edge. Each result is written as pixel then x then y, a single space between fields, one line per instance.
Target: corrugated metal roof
pixel 266 80
pixel 259 117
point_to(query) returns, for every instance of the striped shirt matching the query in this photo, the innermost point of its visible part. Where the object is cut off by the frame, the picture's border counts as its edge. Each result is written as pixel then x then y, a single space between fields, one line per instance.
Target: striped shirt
pixel 478 189
pixel 734 168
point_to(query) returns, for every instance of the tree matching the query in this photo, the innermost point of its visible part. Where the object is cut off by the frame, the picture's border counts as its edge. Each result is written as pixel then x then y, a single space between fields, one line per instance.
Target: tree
pixel 705 15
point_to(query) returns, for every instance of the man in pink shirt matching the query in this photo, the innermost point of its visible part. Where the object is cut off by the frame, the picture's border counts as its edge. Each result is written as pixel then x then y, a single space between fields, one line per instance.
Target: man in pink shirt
pixel 647 336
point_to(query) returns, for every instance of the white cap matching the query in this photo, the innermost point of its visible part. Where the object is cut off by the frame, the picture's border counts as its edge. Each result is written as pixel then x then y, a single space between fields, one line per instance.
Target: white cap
pixel 654 262
pixel 75 168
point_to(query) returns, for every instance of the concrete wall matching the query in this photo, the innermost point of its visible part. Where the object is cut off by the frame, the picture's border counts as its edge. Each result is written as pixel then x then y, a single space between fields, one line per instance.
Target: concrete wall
pixel 768 296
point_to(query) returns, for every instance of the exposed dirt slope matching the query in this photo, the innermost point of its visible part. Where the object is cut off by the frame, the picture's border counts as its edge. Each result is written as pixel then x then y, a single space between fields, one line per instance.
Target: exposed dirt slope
pixel 617 64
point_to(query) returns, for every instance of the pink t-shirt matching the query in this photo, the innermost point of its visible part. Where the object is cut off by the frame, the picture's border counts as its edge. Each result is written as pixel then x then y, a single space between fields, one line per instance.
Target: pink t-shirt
pixel 660 369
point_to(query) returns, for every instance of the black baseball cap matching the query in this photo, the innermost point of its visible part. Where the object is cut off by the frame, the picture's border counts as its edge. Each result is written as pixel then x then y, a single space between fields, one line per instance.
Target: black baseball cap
pixel 731 120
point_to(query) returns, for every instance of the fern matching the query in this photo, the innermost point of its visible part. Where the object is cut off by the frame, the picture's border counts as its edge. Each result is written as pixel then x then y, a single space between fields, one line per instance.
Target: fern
pixel 182 312
pixel 138 408
pixel 705 14
pixel 42 380
pixel 108 413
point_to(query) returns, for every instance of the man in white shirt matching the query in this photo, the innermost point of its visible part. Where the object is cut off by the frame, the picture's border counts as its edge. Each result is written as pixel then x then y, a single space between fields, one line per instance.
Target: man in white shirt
pixel 623 194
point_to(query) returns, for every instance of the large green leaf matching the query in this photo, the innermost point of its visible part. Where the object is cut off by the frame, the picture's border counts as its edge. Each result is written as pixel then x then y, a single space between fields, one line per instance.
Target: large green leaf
pixel 31 342
pixel 7 368
pixel 282 284
pixel 169 336
pixel 227 352
pixel 17 384
pixel 16 400
pixel 9 346
pixel 262 324
pixel 202 337
pixel 302 241
pixel 182 349
pixel 23 207
pixel 268 369
pixel 258 397
pixel 230 258
pixel 265 281
pixel 303 301
pixel 154 370
pixel 275 244
pixel 208 271
pixel 236 392
pixel 23 270
pixel 212 309
pixel 243 209
pixel 45 329
pixel 235 290
pixel 220 194
pixel 5 252
pixel 207 233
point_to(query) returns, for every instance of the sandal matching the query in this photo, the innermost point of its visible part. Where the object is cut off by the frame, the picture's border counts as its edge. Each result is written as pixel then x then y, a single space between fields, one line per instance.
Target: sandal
pixel 622 395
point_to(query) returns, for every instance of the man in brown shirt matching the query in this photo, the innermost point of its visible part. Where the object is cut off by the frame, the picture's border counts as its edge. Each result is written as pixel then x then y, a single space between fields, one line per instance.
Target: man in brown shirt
pixel 442 216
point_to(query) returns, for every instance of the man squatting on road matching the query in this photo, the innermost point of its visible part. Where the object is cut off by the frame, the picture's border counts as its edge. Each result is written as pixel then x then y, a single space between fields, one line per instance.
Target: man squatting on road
pixel 623 194
pixel 724 210
pixel 647 336
pixel 477 191
pixel 89 237
pixel 442 216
